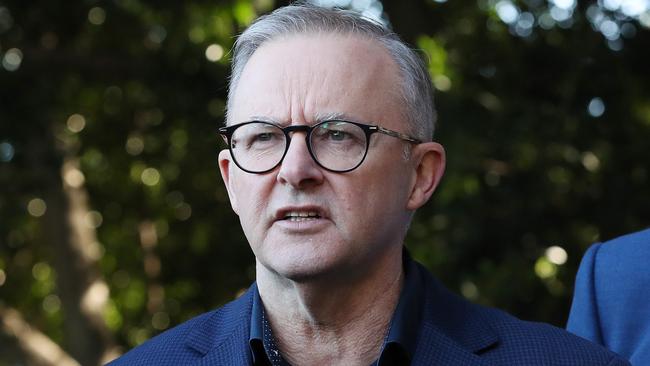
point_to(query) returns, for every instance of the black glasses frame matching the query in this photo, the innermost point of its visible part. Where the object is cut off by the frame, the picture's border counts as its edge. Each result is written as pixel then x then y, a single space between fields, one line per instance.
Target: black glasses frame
pixel 228 131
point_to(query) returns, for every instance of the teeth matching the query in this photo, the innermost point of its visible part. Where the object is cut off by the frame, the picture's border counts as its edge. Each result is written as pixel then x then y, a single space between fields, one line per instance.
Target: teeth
pixel 301 215
pixel 301 219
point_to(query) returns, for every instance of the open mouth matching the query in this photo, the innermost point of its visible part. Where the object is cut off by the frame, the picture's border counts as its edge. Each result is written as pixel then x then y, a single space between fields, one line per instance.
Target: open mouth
pixel 295 216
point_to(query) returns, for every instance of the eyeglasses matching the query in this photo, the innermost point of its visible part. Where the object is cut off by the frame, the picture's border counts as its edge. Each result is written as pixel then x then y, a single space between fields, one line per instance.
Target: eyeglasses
pixel 335 145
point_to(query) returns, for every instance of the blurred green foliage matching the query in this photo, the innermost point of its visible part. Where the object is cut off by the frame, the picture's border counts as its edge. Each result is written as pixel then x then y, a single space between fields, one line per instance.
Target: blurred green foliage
pixel 136 90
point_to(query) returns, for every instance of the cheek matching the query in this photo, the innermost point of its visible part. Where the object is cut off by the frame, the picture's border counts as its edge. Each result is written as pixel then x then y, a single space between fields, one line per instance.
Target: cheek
pixel 376 200
pixel 251 192
pixel 251 213
pixel 363 205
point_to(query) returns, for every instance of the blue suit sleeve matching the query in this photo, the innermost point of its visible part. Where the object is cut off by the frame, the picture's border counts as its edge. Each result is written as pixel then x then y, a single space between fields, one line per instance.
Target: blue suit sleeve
pixel 584 319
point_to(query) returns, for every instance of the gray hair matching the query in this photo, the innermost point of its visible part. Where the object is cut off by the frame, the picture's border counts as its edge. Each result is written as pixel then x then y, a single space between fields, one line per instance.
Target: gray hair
pixel 417 90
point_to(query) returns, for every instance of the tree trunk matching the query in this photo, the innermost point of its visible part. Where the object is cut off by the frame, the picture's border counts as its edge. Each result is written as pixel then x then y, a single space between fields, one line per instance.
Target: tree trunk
pixel 75 253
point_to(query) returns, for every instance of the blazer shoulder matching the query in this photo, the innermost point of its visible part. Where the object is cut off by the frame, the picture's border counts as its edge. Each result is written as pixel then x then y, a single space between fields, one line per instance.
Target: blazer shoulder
pixel 167 348
pixel 502 339
pixel 616 267
pixel 534 343
pixel 193 339
pixel 628 246
pixel 610 296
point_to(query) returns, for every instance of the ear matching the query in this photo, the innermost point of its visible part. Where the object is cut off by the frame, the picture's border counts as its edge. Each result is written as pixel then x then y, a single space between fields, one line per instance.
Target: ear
pixel 225 163
pixel 429 161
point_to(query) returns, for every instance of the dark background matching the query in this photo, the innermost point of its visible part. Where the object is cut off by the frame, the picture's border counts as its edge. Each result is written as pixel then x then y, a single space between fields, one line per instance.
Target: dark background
pixel 114 224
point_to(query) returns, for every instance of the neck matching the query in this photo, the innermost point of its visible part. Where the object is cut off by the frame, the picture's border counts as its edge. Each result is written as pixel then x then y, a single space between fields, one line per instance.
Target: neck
pixel 339 322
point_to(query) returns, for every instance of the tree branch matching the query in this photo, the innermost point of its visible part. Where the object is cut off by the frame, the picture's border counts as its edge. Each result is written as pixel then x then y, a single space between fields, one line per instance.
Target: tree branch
pixel 37 348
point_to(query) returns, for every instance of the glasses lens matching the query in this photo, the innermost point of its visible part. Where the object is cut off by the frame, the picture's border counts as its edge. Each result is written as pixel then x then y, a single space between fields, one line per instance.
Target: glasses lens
pixel 338 145
pixel 257 146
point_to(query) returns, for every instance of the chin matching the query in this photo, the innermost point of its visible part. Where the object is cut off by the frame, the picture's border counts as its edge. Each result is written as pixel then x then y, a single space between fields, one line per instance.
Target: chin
pixel 303 276
pixel 303 270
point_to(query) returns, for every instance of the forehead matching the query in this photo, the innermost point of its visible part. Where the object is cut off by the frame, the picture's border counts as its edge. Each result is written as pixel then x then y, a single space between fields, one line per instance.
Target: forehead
pixel 297 78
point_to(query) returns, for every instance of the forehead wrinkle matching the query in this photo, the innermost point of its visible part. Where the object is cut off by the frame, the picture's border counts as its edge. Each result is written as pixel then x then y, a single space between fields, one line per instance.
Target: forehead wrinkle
pixel 304 95
pixel 304 83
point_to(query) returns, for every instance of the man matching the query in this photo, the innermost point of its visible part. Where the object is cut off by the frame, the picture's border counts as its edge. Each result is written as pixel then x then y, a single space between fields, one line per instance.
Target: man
pixel 611 304
pixel 329 130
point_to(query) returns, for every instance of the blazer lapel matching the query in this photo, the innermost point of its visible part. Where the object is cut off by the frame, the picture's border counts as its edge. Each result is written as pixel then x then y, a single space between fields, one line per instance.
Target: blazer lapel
pixel 233 351
pixel 222 339
pixel 435 348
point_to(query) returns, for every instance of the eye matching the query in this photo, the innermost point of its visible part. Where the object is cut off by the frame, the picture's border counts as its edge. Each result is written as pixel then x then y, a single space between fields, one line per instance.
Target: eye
pixel 265 136
pixel 257 136
pixel 337 135
pixel 265 140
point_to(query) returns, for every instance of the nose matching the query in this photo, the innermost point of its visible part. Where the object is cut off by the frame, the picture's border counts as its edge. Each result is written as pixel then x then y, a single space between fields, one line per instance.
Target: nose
pixel 298 169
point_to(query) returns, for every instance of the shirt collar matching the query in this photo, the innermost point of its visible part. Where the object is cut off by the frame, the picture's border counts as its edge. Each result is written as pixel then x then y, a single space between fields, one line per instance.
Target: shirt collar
pixel 401 339
pixel 405 324
pixel 256 336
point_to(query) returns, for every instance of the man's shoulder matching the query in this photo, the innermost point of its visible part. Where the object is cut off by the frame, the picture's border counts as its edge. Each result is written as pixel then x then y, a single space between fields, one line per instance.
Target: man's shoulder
pixel 609 303
pixel 534 343
pixel 496 337
pixel 167 348
pixel 192 339
pixel 621 262
pixel 631 246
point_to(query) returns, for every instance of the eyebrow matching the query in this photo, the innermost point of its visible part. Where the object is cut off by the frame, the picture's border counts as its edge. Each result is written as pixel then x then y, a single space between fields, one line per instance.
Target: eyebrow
pixel 318 117
pixel 262 119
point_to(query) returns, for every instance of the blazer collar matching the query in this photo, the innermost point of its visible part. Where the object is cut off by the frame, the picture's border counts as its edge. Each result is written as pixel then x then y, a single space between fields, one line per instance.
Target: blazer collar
pixel 452 330
pixel 451 327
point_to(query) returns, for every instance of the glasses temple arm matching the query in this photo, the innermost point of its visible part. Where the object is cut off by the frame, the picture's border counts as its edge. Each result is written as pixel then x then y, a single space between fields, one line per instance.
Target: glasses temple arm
pixel 399 135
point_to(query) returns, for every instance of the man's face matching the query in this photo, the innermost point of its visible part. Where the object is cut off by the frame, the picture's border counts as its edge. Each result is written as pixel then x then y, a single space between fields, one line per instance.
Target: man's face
pixel 361 215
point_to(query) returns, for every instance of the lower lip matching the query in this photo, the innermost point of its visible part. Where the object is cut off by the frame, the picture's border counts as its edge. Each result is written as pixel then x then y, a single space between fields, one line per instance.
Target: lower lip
pixel 302 225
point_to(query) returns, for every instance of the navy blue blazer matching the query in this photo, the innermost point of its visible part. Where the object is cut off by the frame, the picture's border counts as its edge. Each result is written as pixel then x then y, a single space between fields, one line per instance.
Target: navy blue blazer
pixel 611 304
pixel 452 332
